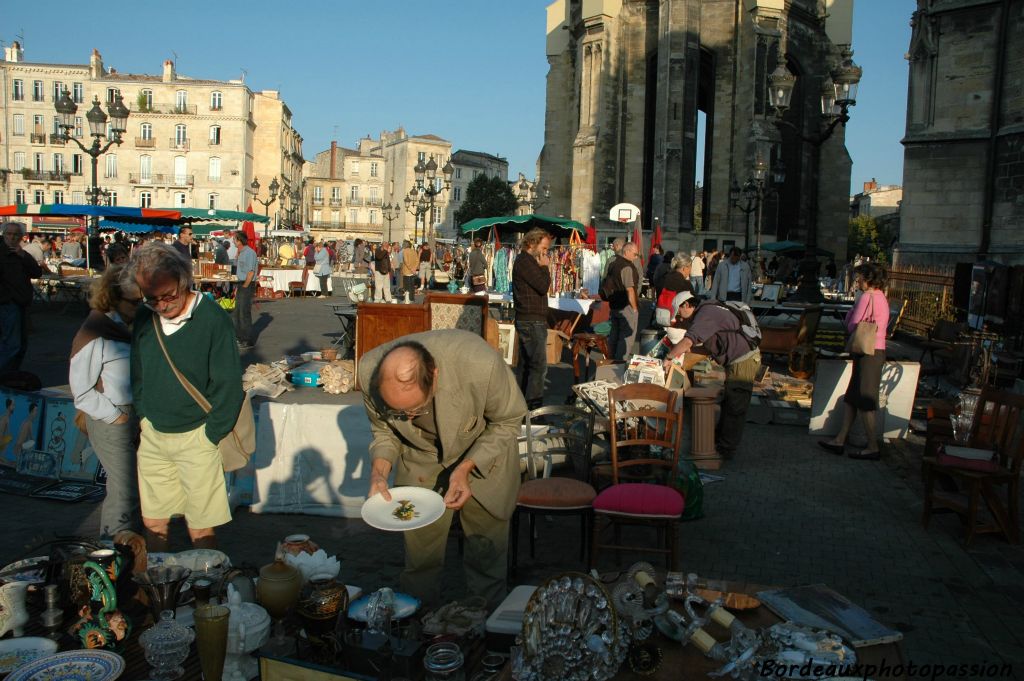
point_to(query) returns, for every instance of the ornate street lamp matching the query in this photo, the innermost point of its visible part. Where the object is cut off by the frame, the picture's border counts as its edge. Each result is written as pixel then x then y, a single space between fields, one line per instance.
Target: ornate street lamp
pixel 754 192
pixel 420 199
pixel 390 213
pixel 119 113
pixel 271 198
pixel 838 94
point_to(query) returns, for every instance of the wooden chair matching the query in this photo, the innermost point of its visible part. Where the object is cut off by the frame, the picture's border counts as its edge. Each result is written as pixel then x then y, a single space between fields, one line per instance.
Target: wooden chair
pixel 996 426
pixel 634 431
pixel 300 285
pixel 782 340
pixel 563 434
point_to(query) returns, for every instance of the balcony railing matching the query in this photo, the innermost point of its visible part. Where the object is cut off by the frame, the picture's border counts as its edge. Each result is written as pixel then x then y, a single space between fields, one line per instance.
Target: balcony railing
pixel 37 138
pixel 318 201
pixel 186 110
pixel 181 144
pixel 326 224
pixel 347 226
pixel 375 201
pixel 57 138
pixel 145 142
pixel 216 108
pixel 169 180
pixel 46 175
pixel 335 202
pixel 355 201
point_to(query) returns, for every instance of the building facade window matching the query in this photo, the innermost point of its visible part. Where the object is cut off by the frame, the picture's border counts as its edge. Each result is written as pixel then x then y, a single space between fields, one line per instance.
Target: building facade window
pixel 458 173
pixel 58 163
pixel 179 200
pixel 37 124
pixel 78 126
pixel 58 87
pixel 355 167
pixel 112 93
pixel 19 196
pixel 180 170
pixel 145 168
pixel 146 131
pixel 180 135
pixel 19 161
pixel 354 192
pixel 456 193
pixel 214 174
pixel 58 196
pixel 373 168
pixel 56 125
pixel 37 91
pixel 111 198
pixel 18 124
pixel 335 193
pixel 421 157
pixel 37 162
pixel 317 215
pixel 335 216
pixel 318 193
pixel 353 215
pixel 18 91
pixel 214 198
pixel 38 197
pixel 181 100
pixel 77 93
pixel 145 199
pixel 214 134
pixel 76 164
pixel 374 194
pixel 146 99
pixel 216 100
pixel 78 198
pixel 111 166
pixel 373 218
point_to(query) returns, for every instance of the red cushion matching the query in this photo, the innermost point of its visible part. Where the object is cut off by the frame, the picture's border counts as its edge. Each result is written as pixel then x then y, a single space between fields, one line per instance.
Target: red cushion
pixel 555 493
pixel 642 499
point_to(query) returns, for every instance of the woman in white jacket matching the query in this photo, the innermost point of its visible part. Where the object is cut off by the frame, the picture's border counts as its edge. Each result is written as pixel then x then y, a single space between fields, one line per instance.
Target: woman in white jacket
pixel 101 384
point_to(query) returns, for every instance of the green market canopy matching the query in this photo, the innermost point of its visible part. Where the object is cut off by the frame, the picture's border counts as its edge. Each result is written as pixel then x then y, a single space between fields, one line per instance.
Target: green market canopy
pixel 522 223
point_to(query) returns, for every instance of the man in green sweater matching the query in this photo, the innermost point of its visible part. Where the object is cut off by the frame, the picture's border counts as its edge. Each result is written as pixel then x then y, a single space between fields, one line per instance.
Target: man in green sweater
pixel 180 467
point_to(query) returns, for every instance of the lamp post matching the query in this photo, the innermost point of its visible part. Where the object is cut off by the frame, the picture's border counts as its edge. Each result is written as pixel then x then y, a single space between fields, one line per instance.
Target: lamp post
pixel 838 94
pixel 755 191
pixel 420 199
pixel 271 198
pixel 390 213
pixel 528 196
pixel 67 109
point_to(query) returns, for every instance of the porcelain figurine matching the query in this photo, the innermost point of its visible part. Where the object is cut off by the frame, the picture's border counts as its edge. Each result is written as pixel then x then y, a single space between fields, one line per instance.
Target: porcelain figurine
pixel 13 613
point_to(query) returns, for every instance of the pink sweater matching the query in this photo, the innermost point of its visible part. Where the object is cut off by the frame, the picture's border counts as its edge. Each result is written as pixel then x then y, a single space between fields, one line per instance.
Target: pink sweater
pixel 871 306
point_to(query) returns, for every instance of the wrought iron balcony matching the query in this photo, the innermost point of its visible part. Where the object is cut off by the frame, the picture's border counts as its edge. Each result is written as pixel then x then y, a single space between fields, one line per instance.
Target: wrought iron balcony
pixel 145 142
pixel 57 138
pixel 355 201
pixel 335 202
pixel 168 180
pixel 37 138
pixel 181 144
pixel 318 201
pixel 186 110
pixel 46 175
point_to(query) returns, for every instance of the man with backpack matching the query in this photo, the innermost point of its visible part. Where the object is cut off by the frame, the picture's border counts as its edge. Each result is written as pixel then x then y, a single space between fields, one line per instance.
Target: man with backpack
pixel 728 332
pixel 620 288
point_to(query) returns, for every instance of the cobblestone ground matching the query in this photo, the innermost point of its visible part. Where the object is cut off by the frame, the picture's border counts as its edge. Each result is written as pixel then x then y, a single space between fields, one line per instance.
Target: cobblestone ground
pixel 786 513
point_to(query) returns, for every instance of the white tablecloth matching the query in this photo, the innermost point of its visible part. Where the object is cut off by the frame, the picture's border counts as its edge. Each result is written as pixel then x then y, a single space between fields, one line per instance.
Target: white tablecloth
pixel 312 458
pixel 580 305
pixel 281 278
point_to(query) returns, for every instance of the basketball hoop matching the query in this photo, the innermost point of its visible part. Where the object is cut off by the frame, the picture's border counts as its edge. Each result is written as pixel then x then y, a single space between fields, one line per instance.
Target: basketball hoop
pixel 623 213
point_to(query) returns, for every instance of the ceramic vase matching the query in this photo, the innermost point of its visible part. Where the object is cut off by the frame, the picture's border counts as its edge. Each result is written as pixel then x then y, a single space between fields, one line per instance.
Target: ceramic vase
pixel 278 591
pixel 321 601
pixel 13 613
pixel 299 543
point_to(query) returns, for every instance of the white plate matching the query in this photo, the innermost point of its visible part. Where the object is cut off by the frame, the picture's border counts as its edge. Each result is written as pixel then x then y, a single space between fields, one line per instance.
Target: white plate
pixel 15 652
pixel 405 605
pixel 73 665
pixel 428 505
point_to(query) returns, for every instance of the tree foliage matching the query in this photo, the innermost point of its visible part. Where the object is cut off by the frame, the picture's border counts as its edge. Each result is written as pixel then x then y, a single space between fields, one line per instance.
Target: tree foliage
pixel 486 197
pixel 864 237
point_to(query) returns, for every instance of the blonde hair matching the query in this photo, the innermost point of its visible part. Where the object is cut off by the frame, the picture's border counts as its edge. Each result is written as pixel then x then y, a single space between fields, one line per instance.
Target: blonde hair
pixel 111 289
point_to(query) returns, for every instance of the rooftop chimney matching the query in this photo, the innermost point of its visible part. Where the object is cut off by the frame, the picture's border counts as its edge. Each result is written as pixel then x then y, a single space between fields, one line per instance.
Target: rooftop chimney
pixel 14 53
pixel 96 64
pixel 334 156
pixel 169 75
pixel 870 186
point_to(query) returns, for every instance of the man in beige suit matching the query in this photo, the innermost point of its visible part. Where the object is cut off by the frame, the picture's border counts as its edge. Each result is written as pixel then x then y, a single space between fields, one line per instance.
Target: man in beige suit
pixel 445 412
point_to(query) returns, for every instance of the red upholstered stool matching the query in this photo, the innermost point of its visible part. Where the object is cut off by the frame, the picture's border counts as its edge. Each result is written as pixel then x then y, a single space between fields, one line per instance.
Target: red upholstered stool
pixel 582 344
pixel 640 499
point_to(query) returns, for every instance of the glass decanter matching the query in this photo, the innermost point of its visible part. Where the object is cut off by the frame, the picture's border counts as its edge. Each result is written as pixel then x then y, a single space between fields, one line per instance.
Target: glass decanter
pixel 166 644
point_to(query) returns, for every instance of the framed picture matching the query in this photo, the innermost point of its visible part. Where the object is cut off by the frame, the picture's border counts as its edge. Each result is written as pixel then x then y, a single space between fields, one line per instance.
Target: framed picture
pixel 20 417
pixel 770 292
pixel 677 379
pixel 63 439
pixel 507 342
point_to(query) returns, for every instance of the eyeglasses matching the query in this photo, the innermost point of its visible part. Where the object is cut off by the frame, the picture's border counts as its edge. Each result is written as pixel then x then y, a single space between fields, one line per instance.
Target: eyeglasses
pixel 407 414
pixel 161 300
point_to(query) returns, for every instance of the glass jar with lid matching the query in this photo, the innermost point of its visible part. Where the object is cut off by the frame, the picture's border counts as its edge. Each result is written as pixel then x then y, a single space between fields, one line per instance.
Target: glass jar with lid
pixel 443 662
pixel 166 645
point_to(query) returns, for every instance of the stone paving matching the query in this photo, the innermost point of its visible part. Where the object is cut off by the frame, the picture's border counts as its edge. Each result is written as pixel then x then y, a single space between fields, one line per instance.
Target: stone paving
pixel 786 513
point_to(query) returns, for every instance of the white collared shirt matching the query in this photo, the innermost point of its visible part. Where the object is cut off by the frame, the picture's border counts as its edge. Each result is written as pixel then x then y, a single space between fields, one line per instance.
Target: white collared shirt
pixel 171 326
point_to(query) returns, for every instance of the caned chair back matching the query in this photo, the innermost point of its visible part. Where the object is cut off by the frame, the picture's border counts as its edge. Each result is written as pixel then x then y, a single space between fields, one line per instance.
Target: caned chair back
pixel 642 416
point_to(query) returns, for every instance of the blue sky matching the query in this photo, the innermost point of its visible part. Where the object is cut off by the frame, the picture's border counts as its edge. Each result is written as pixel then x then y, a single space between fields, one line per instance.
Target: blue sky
pixel 471 71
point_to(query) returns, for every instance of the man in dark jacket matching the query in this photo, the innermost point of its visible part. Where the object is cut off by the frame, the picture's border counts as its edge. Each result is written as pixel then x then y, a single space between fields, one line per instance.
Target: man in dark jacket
pixel 18 268
pixel 382 274
pixel 531 279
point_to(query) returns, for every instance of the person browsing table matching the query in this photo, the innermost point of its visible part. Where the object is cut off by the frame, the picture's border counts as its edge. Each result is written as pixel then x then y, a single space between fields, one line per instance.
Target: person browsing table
pixel 245 273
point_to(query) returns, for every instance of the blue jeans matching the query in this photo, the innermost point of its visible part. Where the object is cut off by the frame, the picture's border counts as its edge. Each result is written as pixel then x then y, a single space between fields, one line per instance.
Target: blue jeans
pixel 533 360
pixel 11 323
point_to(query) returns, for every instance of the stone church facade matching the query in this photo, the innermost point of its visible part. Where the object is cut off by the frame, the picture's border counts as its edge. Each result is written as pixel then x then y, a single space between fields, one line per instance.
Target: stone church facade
pixel 626 83
pixel 963 169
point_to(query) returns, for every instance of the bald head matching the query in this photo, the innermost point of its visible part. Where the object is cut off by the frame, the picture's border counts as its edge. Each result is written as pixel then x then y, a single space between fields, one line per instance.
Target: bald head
pixel 405 377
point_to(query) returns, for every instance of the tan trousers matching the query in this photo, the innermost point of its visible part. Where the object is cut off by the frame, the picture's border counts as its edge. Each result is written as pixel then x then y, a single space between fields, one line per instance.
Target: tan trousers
pixel 484 560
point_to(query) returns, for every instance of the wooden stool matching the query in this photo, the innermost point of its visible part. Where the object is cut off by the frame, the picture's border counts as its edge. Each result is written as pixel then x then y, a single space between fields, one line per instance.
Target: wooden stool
pixel 582 344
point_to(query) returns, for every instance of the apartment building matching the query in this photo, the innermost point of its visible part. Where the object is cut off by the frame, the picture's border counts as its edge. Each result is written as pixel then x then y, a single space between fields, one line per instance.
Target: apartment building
pixel 467 166
pixel 402 153
pixel 277 153
pixel 343 192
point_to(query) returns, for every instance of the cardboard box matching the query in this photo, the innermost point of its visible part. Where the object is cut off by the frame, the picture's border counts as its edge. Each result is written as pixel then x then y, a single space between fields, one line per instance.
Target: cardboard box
pixel 556 344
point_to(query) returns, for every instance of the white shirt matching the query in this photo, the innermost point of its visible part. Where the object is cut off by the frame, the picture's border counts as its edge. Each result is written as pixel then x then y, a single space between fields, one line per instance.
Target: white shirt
pixel 172 326
pixel 696 267
pixel 109 360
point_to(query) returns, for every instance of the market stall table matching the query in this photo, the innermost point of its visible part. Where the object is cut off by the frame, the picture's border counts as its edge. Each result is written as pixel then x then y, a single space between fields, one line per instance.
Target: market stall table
pixel 280 277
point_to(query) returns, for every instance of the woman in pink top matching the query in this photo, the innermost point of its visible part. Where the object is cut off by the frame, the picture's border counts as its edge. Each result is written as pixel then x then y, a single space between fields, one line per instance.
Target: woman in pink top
pixel 862 392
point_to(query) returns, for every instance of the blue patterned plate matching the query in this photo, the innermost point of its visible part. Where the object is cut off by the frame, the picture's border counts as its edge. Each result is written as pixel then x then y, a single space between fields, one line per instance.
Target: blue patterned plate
pixel 73 665
pixel 15 652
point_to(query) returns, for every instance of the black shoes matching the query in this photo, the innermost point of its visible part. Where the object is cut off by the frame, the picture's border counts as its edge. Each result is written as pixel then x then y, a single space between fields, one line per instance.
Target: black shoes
pixel 838 450
pixel 865 455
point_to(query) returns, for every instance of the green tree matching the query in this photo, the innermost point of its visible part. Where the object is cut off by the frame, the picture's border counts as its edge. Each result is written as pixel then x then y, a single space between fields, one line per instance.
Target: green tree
pixel 486 197
pixel 864 238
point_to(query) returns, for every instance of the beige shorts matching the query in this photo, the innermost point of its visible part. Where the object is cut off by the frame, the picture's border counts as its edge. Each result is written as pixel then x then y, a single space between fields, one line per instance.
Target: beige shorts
pixel 182 474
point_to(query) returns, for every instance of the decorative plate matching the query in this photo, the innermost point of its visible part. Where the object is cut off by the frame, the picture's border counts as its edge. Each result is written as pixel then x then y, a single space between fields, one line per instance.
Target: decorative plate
pixel 410 508
pixel 405 605
pixel 158 559
pixel 31 570
pixel 15 652
pixel 73 665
